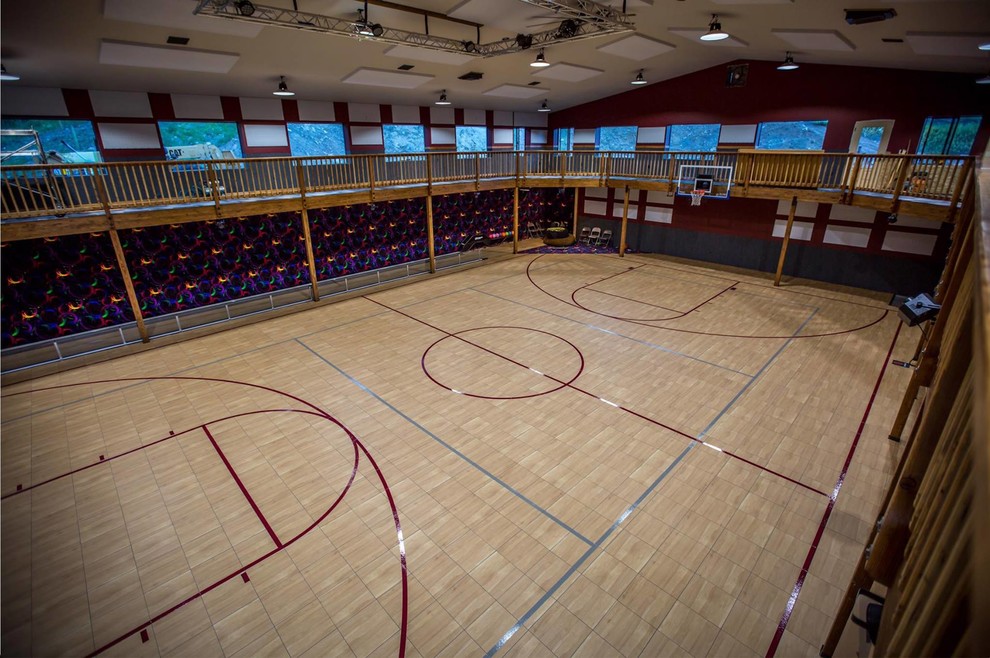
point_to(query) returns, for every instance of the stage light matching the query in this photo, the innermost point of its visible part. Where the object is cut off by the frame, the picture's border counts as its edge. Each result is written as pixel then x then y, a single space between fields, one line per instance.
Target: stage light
pixel 918 309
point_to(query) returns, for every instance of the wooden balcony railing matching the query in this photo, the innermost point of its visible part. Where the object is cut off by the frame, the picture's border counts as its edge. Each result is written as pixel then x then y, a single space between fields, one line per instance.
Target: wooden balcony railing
pixel 72 189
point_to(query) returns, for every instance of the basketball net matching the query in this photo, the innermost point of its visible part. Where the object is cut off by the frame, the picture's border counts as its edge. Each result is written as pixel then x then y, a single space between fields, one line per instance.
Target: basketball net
pixel 696 197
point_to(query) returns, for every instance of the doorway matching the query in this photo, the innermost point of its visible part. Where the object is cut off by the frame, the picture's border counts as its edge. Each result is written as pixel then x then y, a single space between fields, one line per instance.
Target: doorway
pixel 871 136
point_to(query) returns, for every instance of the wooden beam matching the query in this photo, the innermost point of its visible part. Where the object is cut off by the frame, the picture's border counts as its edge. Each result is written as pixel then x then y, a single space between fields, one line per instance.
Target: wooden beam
pixel 574 228
pixel 787 239
pixel 307 235
pixel 515 220
pixel 625 223
pixel 431 249
pixel 129 285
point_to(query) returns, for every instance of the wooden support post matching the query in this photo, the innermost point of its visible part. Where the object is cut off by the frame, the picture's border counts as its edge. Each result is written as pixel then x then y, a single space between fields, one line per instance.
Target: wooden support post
pixel 964 177
pixel 625 223
pixel 129 285
pixel 577 192
pixel 431 249
pixel 787 239
pixel 895 201
pixel 850 190
pixel 371 178
pixel 125 272
pixel 477 172
pixel 211 175
pixel 515 219
pixel 307 234
pixel 429 175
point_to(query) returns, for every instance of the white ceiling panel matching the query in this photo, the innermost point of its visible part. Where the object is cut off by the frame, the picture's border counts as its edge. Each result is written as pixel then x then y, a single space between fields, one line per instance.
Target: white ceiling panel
pixel 379 78
pixel 515 91
pixel 427 55
pixel 951 45
pixel 568 72
pixel 815 40
pixel 121 53
pixel 636 48
pixel 694 34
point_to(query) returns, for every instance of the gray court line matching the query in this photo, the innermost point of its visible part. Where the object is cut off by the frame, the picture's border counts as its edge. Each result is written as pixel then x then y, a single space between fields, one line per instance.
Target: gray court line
pixel 574 567
pixel 196 367
pixel 614 333
pixel 577 565
pixel 449 447
pixel 759 372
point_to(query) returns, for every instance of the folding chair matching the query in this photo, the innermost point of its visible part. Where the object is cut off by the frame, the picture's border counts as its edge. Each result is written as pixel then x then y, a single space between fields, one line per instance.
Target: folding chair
pixel 595 235
pixel 583 237
pixel 605 238
pixel 531 230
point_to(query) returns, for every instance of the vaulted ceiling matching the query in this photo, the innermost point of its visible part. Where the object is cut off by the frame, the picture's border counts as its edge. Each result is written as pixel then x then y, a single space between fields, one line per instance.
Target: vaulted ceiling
pixel 122 45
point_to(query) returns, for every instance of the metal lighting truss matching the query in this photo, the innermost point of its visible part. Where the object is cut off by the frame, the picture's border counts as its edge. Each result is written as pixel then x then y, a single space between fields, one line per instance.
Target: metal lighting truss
pixel 589 19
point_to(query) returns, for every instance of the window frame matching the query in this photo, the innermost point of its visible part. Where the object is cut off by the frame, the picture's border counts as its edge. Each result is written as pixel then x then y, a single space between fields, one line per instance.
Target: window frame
pixel 385 139
pixel 669 137
pixel 762 124
pixel 343 138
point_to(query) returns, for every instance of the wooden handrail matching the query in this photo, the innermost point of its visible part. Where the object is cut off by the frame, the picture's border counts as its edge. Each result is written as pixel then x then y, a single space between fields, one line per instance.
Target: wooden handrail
pixel 45 191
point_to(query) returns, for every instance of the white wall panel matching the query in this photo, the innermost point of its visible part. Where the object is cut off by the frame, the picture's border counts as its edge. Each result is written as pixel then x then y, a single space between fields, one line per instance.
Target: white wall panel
pixel 316 111
pixel 662 215
pixel 502 136
pixel 366 136
pixel 129 135
pixel 852 214
pixel 804 208
pixel 120 104
pixel 474 117
pixel 743 134
pixel 502 118
pixel 405 114
pixel 442 114
pixel 530 119
pixel 584 136
pixel 800 230
pixel 189 106
pixel 33 101
pixel 596 193
pixel 261 109
pixel 654 196
pixel 442 136
pixel 364 112
pixel 592 207
pixel 850 236
pixel 265 135
pixel 538 137
pixel 651 135
pixel 910 243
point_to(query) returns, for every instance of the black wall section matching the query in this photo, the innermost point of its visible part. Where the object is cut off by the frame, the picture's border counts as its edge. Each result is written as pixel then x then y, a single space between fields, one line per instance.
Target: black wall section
pixel 903 275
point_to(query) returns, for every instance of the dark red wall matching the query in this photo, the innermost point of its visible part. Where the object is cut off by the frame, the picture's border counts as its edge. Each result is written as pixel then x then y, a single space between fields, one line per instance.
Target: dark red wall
pixel 841 94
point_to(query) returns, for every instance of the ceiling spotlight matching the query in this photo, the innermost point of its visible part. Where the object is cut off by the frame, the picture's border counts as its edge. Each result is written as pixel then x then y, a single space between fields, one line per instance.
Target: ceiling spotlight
pixel 788 64
pixel 639 80
pixel 443 98
pixel 540 61
pixel 470 46
pixel 283 89
pixel 366 28
pixel 545 107
pixel 244 7
pixel 7 77
pixel 715 32
pixel 568 29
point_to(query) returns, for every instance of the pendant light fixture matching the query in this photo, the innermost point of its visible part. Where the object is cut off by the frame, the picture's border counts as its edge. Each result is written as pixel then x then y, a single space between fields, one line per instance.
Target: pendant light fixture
pixel 639 79
pixel 7 77
pixel 283 89
pixel 985 80
pixel 540 61
pixel 715 31
pixel 545 107
pixel 443 98
pixel 788 64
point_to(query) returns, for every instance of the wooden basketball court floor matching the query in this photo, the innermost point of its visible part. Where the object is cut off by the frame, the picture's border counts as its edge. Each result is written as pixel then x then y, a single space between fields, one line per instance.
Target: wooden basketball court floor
pixel 547 455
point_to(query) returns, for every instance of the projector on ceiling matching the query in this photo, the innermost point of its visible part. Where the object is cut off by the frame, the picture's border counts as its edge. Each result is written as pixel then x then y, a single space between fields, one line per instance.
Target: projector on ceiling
pixel 861 16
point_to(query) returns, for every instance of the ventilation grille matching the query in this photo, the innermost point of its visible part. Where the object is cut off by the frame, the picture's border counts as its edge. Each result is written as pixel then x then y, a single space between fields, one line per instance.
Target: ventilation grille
pixel 471 75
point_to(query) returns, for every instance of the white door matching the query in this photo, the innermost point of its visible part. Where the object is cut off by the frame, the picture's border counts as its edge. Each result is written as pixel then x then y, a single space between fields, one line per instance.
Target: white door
pixel 870 136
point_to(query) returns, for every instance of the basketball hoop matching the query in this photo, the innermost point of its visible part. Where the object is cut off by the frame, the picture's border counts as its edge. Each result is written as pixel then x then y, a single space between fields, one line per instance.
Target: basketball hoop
pixel 697 196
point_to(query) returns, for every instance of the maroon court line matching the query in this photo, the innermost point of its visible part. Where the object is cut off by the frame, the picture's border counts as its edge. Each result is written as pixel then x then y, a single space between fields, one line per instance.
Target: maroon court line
pixel 176 435
pixel 707 333
pixel 404 571
pixel 748 283
pixel 629 299
pixel 789 608
pixel 247 494
pixel 589 394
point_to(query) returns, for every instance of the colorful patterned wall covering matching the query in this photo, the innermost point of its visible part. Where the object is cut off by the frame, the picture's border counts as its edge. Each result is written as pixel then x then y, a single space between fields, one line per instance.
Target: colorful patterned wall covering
pixel 58 286
pixel 366 237
pixel 182 266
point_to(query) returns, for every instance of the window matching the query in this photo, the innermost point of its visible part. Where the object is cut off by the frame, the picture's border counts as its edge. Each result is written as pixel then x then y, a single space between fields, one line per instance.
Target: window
pixel 200 140
pixel 564 139
pixel 616 138
pixel 316 139
pixel 472 138
pixel 404 138
pixel 693 137
pixel 519 139
pixel 951 136
pixel 803 135
pixel 72 141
